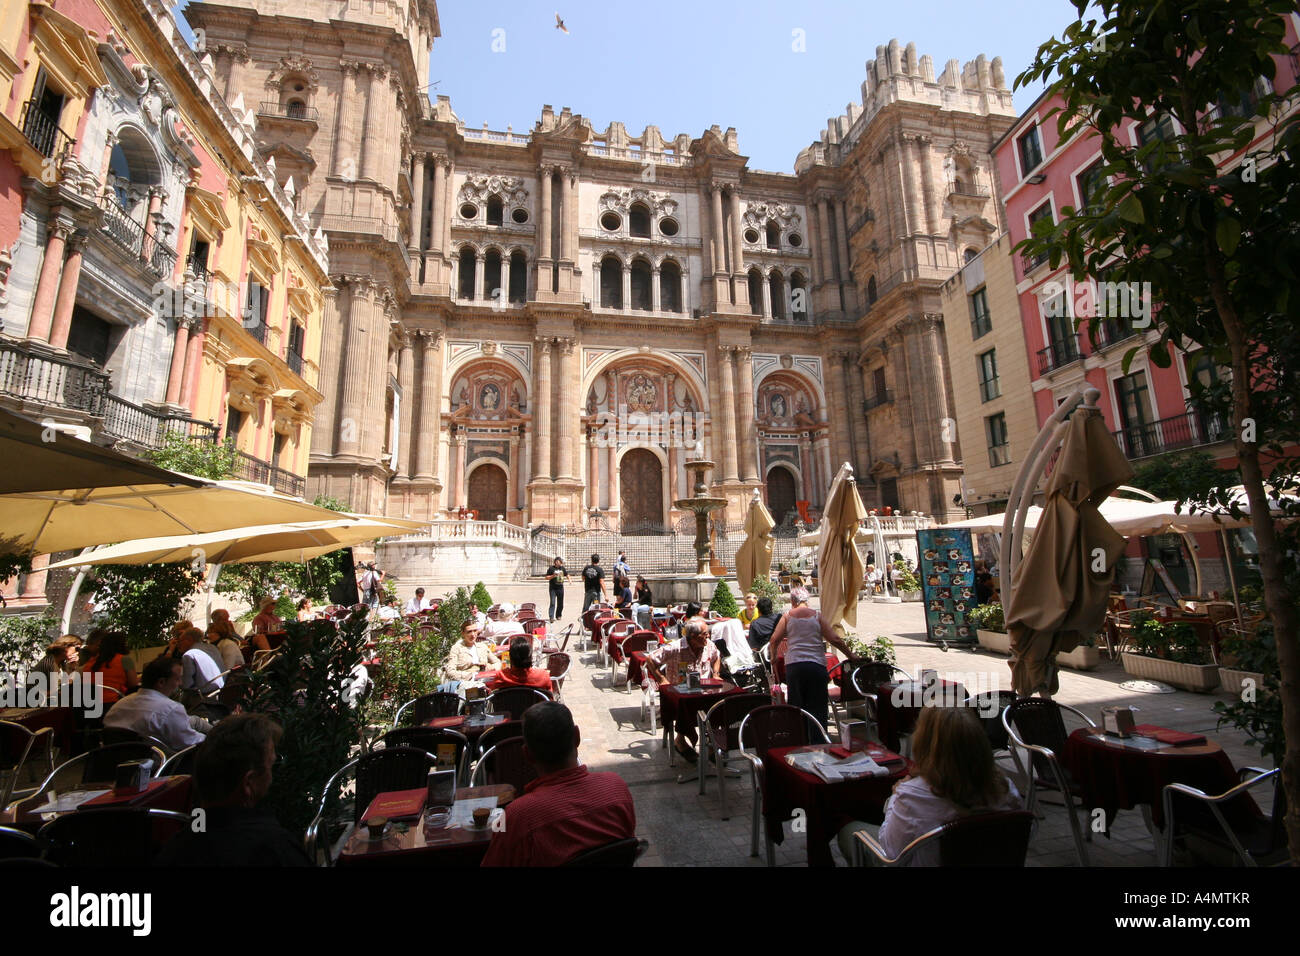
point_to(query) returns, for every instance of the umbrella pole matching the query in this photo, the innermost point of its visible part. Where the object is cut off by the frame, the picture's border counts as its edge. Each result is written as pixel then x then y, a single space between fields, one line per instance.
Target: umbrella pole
pixel 71 602
pixel 1232 575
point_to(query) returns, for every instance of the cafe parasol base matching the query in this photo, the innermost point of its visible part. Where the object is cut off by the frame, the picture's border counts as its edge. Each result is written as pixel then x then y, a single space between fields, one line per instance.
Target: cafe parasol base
pixel 1146 687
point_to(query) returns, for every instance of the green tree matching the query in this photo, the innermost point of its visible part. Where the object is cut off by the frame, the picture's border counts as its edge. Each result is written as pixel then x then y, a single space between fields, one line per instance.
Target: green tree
pixel 195 456
pixel 1219 243
pixel 482 600
pixel 23 639
pixel 1189 477
pixel 144 601
pixel 723 601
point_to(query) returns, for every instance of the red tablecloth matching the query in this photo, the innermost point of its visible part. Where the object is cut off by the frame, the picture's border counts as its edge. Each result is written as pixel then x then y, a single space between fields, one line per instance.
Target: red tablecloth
pixel 412 847
pixel 62 720
pixel 827 806
pixel 598 623
pixel 682 708
pixel 635 663
pixel 899 717
pixel 1116 777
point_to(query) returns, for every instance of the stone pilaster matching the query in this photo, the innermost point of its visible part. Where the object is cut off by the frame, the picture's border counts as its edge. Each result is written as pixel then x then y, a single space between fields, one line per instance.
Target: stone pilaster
pixel 417 202
pixel 567 413
pixel 748 436
pixel 542 413
pixel 406 381
pixel 727 388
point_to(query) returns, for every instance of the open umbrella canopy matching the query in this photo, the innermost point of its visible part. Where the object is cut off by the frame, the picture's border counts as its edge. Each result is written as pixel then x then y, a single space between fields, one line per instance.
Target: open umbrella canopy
pixel 70 518
pixel 1129 517
pixel 44 459
pixel 754 557
pixel 839 565
pixel 284 542
pixel 1058 597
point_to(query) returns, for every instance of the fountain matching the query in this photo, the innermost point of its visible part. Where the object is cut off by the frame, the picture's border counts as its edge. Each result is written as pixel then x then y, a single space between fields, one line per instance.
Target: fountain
pixel 702 505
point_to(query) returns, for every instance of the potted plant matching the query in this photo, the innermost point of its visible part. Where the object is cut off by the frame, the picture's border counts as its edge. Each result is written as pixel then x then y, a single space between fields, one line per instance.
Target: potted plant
pixel 1248 657
pixel 990 628
pixel 1085 657
pixel 879 651
pixel 906 583
pixel 1171 653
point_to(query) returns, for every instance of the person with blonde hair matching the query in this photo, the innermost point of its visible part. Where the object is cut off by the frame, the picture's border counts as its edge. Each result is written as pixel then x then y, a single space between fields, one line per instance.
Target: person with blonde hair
pixel 955 776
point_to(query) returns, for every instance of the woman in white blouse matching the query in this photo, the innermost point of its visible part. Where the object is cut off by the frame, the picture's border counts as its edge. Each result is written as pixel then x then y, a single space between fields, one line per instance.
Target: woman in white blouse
pixel 955 777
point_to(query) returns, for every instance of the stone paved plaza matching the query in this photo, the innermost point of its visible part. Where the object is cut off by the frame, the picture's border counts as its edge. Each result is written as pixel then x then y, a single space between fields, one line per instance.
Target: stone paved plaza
pixel 685 829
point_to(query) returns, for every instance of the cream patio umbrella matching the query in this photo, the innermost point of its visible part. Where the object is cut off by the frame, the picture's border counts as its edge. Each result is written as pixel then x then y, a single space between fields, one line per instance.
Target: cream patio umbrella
pixel 754 557
pixel 839 565
pixel 299 541
pixel 1058 598
pixel 47 521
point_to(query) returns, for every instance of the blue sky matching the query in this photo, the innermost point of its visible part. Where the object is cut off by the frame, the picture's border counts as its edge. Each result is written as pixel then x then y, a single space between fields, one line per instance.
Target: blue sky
pixel 685 66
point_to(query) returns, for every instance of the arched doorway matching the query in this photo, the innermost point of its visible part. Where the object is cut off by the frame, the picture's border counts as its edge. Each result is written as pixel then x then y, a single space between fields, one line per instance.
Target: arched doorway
pixel 487 492
pixel 780 493
pixel 641 481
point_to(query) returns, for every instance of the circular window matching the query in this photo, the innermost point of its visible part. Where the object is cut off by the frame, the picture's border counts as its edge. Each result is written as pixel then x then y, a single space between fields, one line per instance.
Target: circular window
pixel 520 215
pixel 668 227
pixel 469 211
pixel 297 88
pixel 795 239
pixel 611 221
pixel 751 235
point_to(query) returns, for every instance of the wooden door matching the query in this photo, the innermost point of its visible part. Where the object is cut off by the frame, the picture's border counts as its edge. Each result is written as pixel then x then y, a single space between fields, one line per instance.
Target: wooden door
pixel 641 483
pixel 487 492
pixel 780 493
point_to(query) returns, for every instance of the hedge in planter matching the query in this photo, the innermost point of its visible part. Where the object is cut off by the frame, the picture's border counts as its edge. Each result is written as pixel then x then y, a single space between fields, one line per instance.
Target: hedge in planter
pixel 1170 652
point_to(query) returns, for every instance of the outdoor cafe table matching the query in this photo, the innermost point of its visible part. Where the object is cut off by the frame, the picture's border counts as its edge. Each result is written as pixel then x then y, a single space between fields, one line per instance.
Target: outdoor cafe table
pixel 165 793
pixel 61 720
pixel 827 806
pixel 448 846
pixel 683 706
pixel 1115 775
pixel 895 717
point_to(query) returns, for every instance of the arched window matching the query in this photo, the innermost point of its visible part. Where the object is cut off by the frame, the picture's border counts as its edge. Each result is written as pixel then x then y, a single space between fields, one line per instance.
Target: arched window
pixel 638 221
pixel 295 109
pixel 776 289
pixel 871 291
pixel 611 283
pixel 971 254
pixel 492 290
pixel 670 287
pixel 642 291
pixel 755 292
pixel 518 277
pixel 773 235
pixel 798 298
pixel 495 211
pixel 133 168
pixel 468 263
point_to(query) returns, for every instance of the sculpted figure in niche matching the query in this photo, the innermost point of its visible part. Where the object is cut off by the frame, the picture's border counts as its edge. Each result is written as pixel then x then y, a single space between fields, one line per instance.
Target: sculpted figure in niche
pixel 778 405
pixel 490 398
pixel 515 401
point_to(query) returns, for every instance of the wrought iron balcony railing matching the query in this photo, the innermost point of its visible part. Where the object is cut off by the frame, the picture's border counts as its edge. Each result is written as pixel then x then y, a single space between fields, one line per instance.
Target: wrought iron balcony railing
pixel 43 132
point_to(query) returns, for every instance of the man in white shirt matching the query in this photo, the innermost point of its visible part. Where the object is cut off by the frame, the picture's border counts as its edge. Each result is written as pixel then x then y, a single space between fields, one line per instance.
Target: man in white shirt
pixel 150 711
pixel 418 603
pixel 201 661
pixel 504 627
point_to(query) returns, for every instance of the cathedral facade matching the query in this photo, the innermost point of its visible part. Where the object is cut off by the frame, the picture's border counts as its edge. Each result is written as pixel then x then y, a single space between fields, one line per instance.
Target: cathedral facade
pixel 546 325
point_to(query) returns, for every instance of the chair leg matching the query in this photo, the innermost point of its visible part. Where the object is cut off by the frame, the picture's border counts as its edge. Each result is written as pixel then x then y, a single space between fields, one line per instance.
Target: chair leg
pixel 722 783
pixel 771 850
pixel 1074 828
pixel 758 812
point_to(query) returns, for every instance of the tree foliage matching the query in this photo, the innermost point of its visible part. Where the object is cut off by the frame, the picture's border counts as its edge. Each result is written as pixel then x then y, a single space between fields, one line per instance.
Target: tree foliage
pixel 482 600
pixel 23 639
pixel 144 601
pixel 195 456
pixel 723 601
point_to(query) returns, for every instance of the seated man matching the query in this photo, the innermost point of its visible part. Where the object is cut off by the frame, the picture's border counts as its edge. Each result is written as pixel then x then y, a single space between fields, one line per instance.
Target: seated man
pixel 566 810
pixel 668 665
pixel 521 672
pixel 760 631
pixel 388 610
pixel 504 627
pixel 232 773
pixel 202 663
pixel 467 658
pixel 418 603
pixel 151 712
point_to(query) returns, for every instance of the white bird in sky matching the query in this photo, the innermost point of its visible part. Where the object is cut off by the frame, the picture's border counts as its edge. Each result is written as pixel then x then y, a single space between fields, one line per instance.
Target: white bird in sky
pixel 559 24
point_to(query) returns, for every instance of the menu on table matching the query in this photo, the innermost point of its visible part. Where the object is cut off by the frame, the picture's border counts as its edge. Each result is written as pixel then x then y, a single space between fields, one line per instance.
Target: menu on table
pixel 947 572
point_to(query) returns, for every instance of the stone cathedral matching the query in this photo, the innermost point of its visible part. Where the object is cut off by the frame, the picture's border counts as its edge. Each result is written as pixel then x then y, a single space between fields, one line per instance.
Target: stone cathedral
pixel 546 324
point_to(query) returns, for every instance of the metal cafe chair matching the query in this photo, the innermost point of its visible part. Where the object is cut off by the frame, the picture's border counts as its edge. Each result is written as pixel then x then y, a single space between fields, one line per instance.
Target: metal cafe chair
pixel 619 853
pixel 1253 837
pixel 636 641
pixel 112 836
pixel 984 839
pixel 720 733
pixel 766 728
pixel 513 701
pixel 866 678
pixel 22 751
pixel 421 710
pixel 558 664
pixel 504 763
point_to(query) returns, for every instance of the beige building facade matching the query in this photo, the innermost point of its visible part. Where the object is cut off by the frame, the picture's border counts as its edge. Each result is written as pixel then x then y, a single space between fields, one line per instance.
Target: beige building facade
pixel 546 325
pixel 996 421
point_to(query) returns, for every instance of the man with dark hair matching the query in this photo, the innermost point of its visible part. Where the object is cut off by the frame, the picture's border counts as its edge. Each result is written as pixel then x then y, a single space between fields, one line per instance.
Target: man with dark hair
pixel 202 662
pixel 232 773
pixel 593 583
pixel 566 810
pixel 151 712
pixel 521 672
pixel 760 631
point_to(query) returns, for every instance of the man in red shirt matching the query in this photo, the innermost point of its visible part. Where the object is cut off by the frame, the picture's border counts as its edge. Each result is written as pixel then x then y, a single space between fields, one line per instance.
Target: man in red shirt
pixel 521 672
pixel 566 810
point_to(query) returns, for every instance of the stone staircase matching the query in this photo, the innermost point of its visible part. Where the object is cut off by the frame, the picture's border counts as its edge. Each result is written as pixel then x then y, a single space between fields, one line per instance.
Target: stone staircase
pixel 455 552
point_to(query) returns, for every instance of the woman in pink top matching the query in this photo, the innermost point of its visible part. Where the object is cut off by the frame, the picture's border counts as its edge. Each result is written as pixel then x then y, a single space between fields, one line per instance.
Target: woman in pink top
pixel 805 634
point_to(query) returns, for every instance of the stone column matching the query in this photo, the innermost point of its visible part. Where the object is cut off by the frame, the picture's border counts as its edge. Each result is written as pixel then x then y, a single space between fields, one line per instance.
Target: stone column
pixel 376 118
pixel 569 215
pixel 345 143
pixel 767 298
pixel 593 468
pixel 417 203
pixel 176 375
pixel 823 446
pixel 727 383
pixel 545 263
pixel 448 203
pixel 847 450
pixel 567 412
pixel 627 287
pixel 748 438
pixel 194 364
pixel 542 412
pixel 737 245
pixel 907 157
pixel 654 289
pixel 861 418
pixel 514 482
pixel 439 210
pixel 927 185
pixel 458 472
pixel 406 381
pixel 67 292
pixel 47 283
pixel 841 226
pixel 806 468
pixel 718 230
pixel 353 367
pixel 426 441
pixel 830 273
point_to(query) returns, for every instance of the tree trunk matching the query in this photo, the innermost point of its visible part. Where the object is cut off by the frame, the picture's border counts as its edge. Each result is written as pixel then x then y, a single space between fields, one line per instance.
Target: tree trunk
pixel 1280 609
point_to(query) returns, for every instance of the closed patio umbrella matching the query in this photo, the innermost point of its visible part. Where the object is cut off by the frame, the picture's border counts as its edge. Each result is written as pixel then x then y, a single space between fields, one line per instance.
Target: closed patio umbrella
pixel 839 565
pixel 1058 598
pixel 754 557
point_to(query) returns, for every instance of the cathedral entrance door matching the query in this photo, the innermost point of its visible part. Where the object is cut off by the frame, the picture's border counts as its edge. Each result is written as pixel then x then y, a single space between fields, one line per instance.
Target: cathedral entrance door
pixel 487 492
pixel 780 493
pixel 642 491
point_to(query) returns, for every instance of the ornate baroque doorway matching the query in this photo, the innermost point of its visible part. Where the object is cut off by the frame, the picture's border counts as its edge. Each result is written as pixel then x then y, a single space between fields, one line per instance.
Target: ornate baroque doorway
pixel 780 493
pixel 641 481
pixel 487 492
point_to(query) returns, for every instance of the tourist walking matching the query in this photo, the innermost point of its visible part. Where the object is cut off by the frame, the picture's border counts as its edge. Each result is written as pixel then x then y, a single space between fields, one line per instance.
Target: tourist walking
pixel 805 633
pixel 593 583
pixel 556 577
